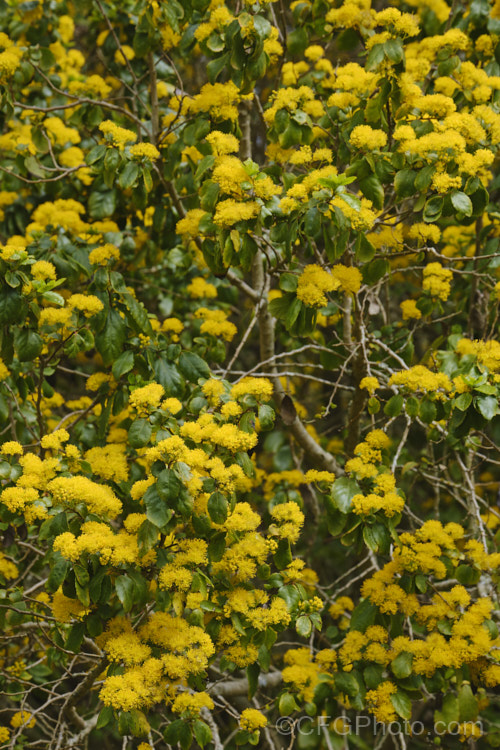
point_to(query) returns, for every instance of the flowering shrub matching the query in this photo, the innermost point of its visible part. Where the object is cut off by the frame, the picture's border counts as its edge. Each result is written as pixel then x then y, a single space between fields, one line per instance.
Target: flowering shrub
pixel 249 373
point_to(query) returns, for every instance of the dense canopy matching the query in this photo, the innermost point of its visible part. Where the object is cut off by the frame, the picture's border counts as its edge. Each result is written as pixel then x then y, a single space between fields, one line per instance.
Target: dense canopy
pixel 249 374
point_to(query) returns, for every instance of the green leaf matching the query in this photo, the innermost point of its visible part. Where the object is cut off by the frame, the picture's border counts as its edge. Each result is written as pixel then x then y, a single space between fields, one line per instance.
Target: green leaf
pixel 467 575
pixel 288 282
pixel 401 666
pixel 173 731
pixel 449 712
pixel 343 491
pixel 217 546
pixel 467 703
pixel 54 298
pixel 139 433
pixel 34 167
pixel 487 406
pixel 102 205
pixel 402 704
pixel 157 510
pixel 375 57
pixel 364 249
pixel 202 732
pixel 204 165
pixel 266 416
pixel 58 572
pixel 393 49
pixel 109 341
pixel 75 637
pixel 394 405
pixel 461 203
pixel 375 270
pixel 215 67
pixel 147 536
pixel 169 377
pixel 297 41
pixel 13 307
pixel 303 626
pixel 28 344
pixel 371 187
pixel 433 209
pixel 428 411
pixel 404 183
pixel 137 314
pixel 283 555
pixel 463 401
pixel 287 704
pixel 193 367
pixel 253 672
pixel 346 683
pixel 168 485
pixel 363 615
pixel 125 590
pixel 123 364
pixel 105 716
pixel 217 507
pixel 377 538
pixel 412 406
pixel 129 175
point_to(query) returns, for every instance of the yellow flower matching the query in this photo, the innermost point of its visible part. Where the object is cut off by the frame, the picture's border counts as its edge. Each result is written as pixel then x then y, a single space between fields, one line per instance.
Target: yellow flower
pixel 147 398
pixel 55 440
pixel 43 270
pixel 11 448
pixel 410 310
pixel 260 388
pixel 222 143
pixel 252 719
pixel 118 136
pixel 437 280
pixel 23 719
pixel 363 136
pixel 144 150
pixel 199 288
pixel 4 735
pixel 369 384
pixel 101 255
pixel 313 282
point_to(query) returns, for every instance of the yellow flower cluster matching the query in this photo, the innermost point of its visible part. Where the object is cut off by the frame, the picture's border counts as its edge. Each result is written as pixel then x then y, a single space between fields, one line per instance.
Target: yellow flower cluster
pixel 379 702
pixel 222 143
pixel 367 455
pixel 252 719
pixel 420 378
pixel 313 282
pixel 410 310
pixel 184 650
pixel 365 137
pixel 144 151
pixel 259 388
pixel 289 519
pixel 147 398
pixel 101 255
pixel 215 323
pixel 109 461
pixel 71 491
pixel 437 280
pixel 487 352
pixel 370 384
pixel 198 288
pixel 230 212
pixel 116 135
pixel 98 539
